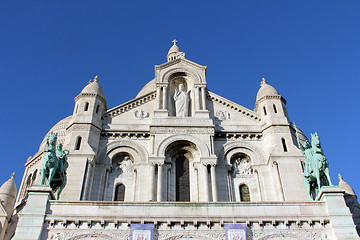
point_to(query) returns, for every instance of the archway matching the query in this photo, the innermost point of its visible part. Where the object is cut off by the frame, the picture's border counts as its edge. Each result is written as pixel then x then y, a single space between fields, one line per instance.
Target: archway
pixel 181 155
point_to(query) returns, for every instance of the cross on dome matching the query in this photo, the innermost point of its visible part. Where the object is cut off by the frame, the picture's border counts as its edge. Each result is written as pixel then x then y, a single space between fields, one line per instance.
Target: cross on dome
pixel 174 41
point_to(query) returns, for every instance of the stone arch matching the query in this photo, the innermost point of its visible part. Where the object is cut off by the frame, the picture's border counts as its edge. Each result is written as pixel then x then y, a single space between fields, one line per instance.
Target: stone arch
pixel 139 153
pixel 166 76
pixel 203 148
pixel 225 153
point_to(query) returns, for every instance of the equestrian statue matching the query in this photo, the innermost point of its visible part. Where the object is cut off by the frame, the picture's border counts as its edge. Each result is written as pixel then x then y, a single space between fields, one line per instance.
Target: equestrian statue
pixel 316 166
pixel 54 165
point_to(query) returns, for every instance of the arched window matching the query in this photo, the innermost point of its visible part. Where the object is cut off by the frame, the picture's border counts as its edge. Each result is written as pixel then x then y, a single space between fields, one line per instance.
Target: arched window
pixel 284 144
pixel 86 106
pixel 78 143
pixel 275 110
pixel 77 108
pixel 244 193
pixel 97 109
pixel 120 192
pixel 264 110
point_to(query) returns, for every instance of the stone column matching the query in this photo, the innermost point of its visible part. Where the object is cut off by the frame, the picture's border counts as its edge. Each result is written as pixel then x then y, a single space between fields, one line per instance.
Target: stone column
pixel 32 217
pixel 134 185
pixel 158 97
pixel 164 105
pixel 152 182
pixel 213 182
pixel 160 182
pixel 206 183
pixel 203 95
pixel 197 98
pixel 278 181
pixel 173 182
pixel 86 190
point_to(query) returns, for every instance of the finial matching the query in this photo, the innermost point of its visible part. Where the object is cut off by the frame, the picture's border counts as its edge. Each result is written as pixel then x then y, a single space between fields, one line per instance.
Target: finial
pixel 13 175
pixel 340 177
pixel 96 79
pixel 263 81
pixel 174 41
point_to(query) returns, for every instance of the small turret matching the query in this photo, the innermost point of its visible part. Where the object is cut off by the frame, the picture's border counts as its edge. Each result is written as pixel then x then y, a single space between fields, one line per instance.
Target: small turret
pixel 8 194
pixel 90 104
pixel 270 104
pixel 175 52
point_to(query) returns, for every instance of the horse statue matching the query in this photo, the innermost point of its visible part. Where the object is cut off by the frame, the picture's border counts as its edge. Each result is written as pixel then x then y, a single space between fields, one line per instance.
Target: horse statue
pixel 316 166
pixel 54 165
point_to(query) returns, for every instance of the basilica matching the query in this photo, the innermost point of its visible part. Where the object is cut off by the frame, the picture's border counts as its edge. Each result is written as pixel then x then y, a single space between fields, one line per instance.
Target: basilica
pixel 176 162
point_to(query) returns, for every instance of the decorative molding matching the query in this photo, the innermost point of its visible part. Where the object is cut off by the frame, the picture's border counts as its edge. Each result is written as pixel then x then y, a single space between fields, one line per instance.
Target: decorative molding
pixel 238 135
pixel 181 130
pixel 182 121
pixel 125 135
pixel 234 106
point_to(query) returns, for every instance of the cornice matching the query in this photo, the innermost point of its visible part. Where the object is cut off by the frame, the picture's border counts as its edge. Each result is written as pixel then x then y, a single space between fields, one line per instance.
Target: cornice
pixel 125 107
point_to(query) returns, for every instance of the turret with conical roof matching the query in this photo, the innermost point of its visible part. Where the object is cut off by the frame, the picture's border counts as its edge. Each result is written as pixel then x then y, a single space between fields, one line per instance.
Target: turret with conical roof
pixel 270 104
pixel 7 200
pixel 8 194
pixel 83 136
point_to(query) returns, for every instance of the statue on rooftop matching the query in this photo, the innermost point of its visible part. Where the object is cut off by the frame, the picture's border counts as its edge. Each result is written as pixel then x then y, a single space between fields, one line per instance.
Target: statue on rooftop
pixel 316 166
pixel 54 165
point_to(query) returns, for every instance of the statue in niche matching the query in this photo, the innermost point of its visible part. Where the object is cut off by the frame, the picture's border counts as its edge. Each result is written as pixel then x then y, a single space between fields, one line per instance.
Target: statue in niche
pixel 316 166
pixel 126 165
pixel 241 166
pixel 181 102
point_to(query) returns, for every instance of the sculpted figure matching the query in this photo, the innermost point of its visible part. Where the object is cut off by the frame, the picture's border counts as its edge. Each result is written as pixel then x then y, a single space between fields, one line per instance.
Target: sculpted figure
pixel 316 165
pixel 126 165
pixel 54 165
pixel 181 101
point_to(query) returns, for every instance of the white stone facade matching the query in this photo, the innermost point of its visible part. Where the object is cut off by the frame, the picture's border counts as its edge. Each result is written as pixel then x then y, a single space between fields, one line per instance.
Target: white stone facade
pixel 188 175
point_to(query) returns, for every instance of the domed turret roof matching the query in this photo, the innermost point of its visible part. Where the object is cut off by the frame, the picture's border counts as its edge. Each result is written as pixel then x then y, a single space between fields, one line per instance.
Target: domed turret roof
pixel 345 186
pixel 94 88
pixel 8 194
pixel 266 90
pixel 174 48
pixel 9 187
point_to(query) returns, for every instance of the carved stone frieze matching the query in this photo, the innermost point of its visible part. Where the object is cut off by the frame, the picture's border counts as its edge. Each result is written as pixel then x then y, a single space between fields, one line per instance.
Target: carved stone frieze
pixel 318 234
pixel 181 130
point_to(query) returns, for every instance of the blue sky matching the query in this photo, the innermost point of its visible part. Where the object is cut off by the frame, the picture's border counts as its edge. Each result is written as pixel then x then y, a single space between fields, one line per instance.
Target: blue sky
pixel 308 50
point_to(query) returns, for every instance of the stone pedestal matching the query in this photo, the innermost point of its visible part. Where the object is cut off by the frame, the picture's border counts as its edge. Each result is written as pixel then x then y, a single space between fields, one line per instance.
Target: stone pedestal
pixel 32 217
pixel 340 217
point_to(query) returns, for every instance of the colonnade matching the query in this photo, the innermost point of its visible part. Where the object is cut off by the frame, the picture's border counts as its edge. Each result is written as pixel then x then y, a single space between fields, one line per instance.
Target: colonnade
pixel 157 192
pixel 199 95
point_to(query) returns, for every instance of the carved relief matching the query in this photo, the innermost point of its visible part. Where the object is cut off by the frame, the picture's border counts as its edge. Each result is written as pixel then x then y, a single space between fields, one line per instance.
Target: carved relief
pixel 141 114
pixel 126 165
pixel 241 166
pixel 222 115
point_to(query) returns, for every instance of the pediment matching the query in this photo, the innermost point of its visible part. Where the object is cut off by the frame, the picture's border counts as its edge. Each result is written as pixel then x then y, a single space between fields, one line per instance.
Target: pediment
pixel 180 61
